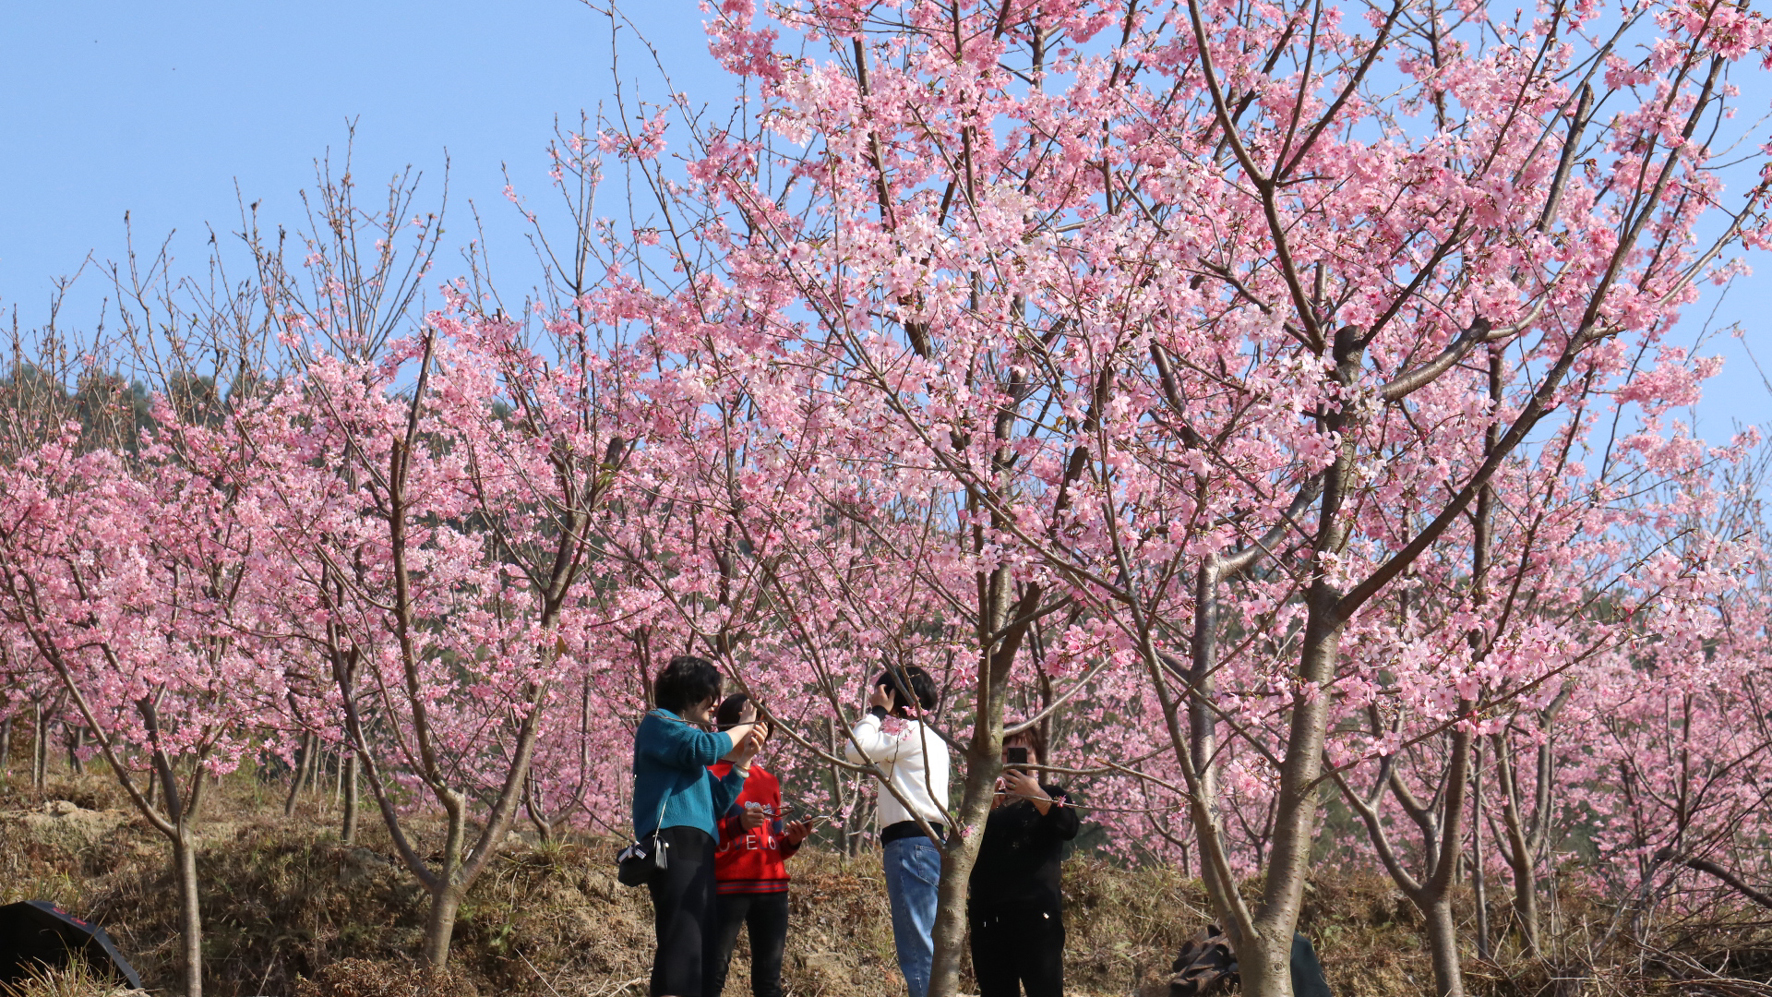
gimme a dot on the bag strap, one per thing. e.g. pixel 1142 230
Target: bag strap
pixel 664 798
pixel 659 821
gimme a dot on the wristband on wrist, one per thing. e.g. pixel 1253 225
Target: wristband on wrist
pixel 877 712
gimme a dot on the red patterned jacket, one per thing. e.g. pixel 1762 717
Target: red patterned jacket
pixel 751 861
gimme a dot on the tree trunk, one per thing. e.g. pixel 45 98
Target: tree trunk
pixel 1519 852
pixel 1479 884
pixel 40 749
pixel 298 773
pixel 347 834
pixel 1442 939
pixel 446 888
pixel 440 924
pixel 5 746
pixel 984 763
pixel 533 806
pixel 1268 970
pixel 949 933
pixel 184 858
pixel 316 758
pixel 1526 903
pixel 1265 965
pixel 1269 973
pixel 76 740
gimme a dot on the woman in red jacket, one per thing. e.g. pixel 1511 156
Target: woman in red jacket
pixel 750 878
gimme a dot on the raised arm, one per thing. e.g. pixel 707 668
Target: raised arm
pixel 1061 820
pixel 725 790
pixel 682 746
pixel 867 739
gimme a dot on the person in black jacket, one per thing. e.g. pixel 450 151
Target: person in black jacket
pixel 1015 909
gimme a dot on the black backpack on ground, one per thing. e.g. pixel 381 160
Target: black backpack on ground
pixel 1205 965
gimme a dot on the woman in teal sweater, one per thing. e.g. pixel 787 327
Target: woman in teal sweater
pixel 676 795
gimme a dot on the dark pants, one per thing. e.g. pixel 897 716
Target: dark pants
pixel 767 916
pixel 682 912
pixel 1015 947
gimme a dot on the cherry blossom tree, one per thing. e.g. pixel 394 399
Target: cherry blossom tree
pixel 1185 303
pixel 432 482
pixel 131 584
pixel 1553 592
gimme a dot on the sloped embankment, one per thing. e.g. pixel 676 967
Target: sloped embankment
pixel 285 903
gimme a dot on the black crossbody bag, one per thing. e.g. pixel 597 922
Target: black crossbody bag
pixel 644 858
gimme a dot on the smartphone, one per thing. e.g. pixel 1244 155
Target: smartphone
pixel 1016 756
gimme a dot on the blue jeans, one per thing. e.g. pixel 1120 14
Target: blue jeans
pixel 913 868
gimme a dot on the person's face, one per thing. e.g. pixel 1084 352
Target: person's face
pixel 703 711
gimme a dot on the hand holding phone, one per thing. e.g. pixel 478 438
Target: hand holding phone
pixel 883 697
pixel 1015 756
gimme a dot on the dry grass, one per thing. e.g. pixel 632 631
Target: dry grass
pixel 289 911
pixel 71 981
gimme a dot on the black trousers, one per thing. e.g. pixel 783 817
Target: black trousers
pixel 766 914
pixel 682 912
pixel 1016 947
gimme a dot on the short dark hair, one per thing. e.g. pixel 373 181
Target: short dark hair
pixel 1035 738
pixel 921 686
pixel 731 709
pixel 684 682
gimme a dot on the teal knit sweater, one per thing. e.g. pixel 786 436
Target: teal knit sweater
pixel 671 759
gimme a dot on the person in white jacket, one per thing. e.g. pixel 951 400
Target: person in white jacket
pixel 914 760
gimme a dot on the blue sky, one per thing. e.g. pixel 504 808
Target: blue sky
pixel 161 109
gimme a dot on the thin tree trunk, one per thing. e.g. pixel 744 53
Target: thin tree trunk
pixel 983 764
pixel 315 756
pixel 1202 697
pixel 40 749
pixel 298 774
pixel 532 805
pixel 1479 884
pixel 1442 837
pixel 184 857
pixel 440 926
pixel 447 890
pixel 348 833
pixel 76 740
pixel 1442 938
pixel 1266 970
pixel 1484 539
pixel 949 933
pixel 1519 852
pixel 5 746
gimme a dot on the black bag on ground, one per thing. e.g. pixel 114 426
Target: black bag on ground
pixel 1206 965
pixel 37 933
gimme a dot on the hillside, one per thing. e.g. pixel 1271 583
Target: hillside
pixel 288 910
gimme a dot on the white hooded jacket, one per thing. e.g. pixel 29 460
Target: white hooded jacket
pixel 914 759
